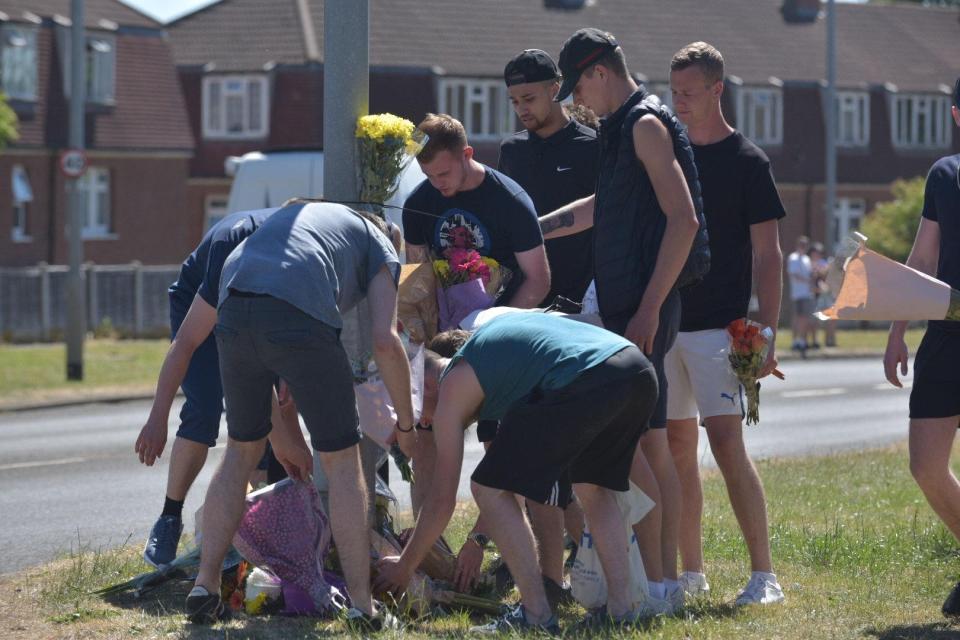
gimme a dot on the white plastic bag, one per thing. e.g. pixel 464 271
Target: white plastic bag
pixel 586 578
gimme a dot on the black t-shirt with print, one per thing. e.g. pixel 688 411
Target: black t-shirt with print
pixel 738 191
pixel 941 204
pixel 497 219
pixel 556 171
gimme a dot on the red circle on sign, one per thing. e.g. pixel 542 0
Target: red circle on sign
pixel 73 163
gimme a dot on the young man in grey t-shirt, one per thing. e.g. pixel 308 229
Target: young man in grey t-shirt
pixel 282 293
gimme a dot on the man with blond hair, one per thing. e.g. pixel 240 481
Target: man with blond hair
pixel 739 192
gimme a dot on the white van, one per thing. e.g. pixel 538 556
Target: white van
pixel 264 179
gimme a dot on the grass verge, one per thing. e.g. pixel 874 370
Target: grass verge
pixel 857 550
pixel 37 372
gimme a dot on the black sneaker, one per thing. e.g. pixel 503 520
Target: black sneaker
pixel 204 607
pixel 359 622
pixel 161 547
pixel 557 594
pixel 951 606
pixel 515 621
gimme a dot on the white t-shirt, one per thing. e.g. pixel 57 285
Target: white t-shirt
pixel 801 276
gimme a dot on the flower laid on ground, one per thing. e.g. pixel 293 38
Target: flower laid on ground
pixel 749 345
pixel 385 145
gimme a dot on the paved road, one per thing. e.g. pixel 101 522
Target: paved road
pixel 69 477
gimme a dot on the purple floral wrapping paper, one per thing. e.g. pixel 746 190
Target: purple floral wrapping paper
pixel 285 530
pixel 457 301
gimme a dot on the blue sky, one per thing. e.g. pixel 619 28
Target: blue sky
pixel 165 10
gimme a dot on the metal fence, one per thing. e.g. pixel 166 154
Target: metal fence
pixel 129 300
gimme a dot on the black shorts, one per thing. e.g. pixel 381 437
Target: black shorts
pixel 562 494
pixel 666 336
pixel 587 430
pixel 936 376
pixel 262 338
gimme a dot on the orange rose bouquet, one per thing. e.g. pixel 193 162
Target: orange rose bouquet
pixel 749 345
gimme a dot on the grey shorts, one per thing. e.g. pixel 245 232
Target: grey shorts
pixel 260 338
pixel 804 306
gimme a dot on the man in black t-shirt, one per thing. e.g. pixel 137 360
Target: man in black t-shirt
pixel 935 397
pixel 464 204
pixel 554 159
pixel 742 208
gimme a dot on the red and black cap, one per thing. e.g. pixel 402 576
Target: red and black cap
pixel 531 65
pixel 581 50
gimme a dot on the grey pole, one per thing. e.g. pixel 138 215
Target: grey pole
pixel 346 92
pixel 831 114
pixel 346 97
pixel 76 315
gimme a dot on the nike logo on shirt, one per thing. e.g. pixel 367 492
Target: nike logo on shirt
pixel 559 169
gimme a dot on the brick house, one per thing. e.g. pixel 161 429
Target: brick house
pixel 137 135
pixel 252 75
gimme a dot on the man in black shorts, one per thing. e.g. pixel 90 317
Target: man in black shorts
pixel 645 221
pixel 935 397
pixel 571 399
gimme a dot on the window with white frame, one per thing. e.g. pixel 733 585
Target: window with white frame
pixel 22 197
pixel 483 106
pixel 216 208
pixel 101 63
pixel 94 187
pixel 920 121
pixel 18 67
pixel 847 216
pixel 853 118
pixel 760 114
pixel 235 107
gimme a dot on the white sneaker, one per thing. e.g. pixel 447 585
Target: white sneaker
pixel 676 597
pixel 763 588
pixel 651 608
pixel 694 584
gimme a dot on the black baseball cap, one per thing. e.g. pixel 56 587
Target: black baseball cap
pixel 582 49
pixel 531 65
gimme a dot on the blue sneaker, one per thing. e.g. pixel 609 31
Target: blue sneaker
pixel 161 548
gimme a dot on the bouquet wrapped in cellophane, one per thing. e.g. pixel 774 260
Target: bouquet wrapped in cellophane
pixel 468 282
pixel 385 145
pixel 749 345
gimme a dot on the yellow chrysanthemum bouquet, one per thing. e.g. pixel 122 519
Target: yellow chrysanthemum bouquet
pixel 385 145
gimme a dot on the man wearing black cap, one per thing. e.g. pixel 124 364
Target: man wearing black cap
pixel 935 397
pixel 645 217
pixel 554 159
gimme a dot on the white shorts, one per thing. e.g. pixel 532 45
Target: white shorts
pixel 699 377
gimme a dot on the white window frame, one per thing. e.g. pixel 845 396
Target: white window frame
pixel 856 106
pixel 95 225
pixel 920 121
pixel 482 93
pixel 18 46
pixel 215 209
pixel 747 98
pixel 218 108
pixel 845 212
pixel 22 197
pixel 101 65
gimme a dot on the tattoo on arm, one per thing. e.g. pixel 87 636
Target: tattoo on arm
pixel 556 221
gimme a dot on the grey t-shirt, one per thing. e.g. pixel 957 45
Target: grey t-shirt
pixel 319 257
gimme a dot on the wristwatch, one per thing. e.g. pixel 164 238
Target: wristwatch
pixel 480 539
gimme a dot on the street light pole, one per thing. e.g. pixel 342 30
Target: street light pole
pixel 831 115
pixel 76 298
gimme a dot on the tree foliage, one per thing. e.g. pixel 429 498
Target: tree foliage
pixel 892 225
pixel 8 122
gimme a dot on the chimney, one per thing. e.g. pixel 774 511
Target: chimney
pixel 800 11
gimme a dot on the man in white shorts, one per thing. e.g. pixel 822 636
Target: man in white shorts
pixel 743 209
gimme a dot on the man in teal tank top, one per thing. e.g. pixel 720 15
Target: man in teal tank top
pixel 572 399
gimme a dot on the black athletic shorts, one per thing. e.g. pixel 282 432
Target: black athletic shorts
pixel 936 375
pixel 587 430
pixel 666 336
